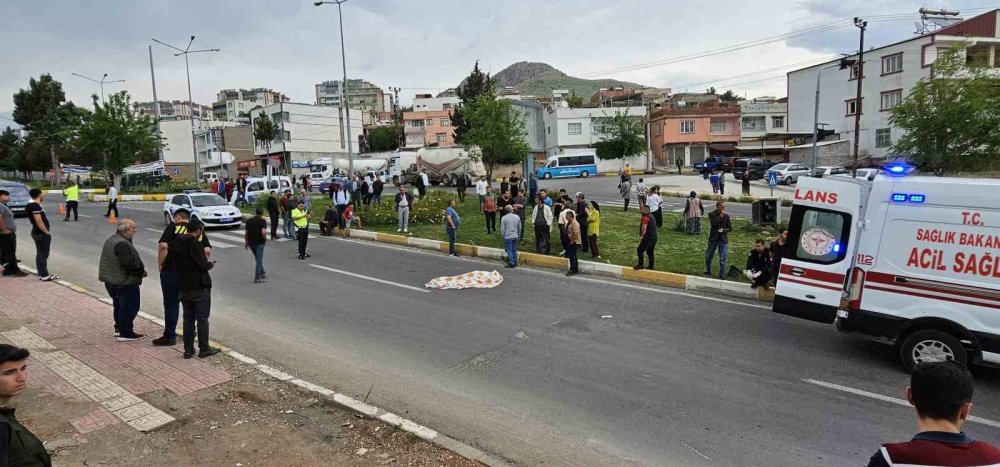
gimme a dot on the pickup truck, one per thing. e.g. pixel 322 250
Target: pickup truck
pixel 711 163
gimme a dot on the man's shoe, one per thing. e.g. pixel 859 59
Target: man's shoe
pixel 399 230
pixel 638 267
pixel 130 337
pixel 188 355
pixel 66 220
pixel 302 257
pixel 308 255
pixel 570 273
pixel 164 341
pixel 507 265
pixel 17 274
pixel 208 353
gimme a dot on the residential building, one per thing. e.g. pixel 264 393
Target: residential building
pixel 428 128
pixel 422 102
pixel 360 94
pixel 231 103
pixel 533 116
pixel 307 132
pixel 175 110
pixel 604 97
pixel 690 134
pixel 890 73
pixel 764 127
pixel 229 150
pixel 567 128
pixel 177 157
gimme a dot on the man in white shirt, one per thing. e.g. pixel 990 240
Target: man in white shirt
pixel 653 202
pixel 481 189
pixel 112 200
pixel 426 183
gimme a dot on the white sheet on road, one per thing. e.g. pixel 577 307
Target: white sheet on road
pixel 469 280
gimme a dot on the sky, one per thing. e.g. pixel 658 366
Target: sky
pixel 429 45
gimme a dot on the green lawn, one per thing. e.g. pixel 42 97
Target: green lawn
pixel 675 251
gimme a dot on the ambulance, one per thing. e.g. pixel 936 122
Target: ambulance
pixel 910 261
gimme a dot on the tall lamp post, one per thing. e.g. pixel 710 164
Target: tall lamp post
pixel 343 85
pixel 862 25
pixel 102 82
pixel 187 67
pixel 819 74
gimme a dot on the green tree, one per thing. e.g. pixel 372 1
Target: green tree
pixel 264 131
pixel 8 149
pixel 42 110
pixel 478 84
pixel 575 102
pixel 730 96
pixel 496 128
pixel 385 138
pixel 951 118
pixel 116 136
pixel 624 136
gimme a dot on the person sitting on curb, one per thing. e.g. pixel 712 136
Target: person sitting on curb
pixel 18 446
pixel 759 265
pixel 942 395
pixel 349 217
pixel 329 221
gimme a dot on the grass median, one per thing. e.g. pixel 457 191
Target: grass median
pixel 675 251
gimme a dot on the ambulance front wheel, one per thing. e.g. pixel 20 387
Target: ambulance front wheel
pixel 930 347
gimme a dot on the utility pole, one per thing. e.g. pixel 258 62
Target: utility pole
pixel 862 25
pixel 343 93
pixel 156 109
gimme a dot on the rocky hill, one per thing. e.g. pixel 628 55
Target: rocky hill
pixel 539 79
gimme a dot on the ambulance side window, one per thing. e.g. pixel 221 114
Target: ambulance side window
pixel 818 235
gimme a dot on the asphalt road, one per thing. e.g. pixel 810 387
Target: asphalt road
pixel 544 368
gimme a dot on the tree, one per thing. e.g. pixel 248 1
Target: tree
pixel 624 136
pixel 730 96
pixel 43 112
pixel 384 138
pixel 496 128
pixel 574 101
pixel 117 136
pixel 264 131
pixel 478 84
pixel 8 149
pixel 951 118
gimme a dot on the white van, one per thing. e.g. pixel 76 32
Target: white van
pixel 258 186
pixel 909 261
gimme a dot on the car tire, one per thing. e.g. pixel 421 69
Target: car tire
pixel 787 181
pixel 930 346
pixel 166 218
pixel 585 174
pixel 547 176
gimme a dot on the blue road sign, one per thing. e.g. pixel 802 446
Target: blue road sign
pixel 772 179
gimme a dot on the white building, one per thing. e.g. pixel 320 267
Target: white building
pixel 230 103
pixel 567 128
pixel 177 136
pixel 423 102
pixel 307 132
pixel 890 72
pixel 763 126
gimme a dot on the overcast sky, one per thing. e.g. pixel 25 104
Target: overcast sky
pixel 425 46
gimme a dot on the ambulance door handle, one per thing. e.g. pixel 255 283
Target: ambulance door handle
pixel 798 271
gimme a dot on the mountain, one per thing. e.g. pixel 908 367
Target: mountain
pixel 539 79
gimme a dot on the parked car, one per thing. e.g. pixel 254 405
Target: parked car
pixel 324 186
pixel 757 168
pixel 19 198
pixel 789 173
pixel 826 171
pixel 209 208
pixel 258 186
pixel 711 163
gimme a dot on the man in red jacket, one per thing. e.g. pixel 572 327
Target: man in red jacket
pixel 942 394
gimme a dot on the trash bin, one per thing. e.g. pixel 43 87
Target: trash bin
pixel 765 212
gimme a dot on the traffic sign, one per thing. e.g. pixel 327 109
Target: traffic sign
pixel 772 179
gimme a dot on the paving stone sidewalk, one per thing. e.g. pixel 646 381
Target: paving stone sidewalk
pixel 76 356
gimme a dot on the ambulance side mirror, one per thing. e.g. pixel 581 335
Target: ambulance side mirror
pixel 863 224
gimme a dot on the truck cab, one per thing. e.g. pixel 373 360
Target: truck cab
pixel 907 261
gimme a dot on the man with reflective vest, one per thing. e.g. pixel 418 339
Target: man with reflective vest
pixel 72 194
pixel 300 217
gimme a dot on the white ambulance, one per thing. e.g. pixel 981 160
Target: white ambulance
pixel 907 260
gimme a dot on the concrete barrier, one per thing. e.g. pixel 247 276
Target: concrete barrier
pixel 128 198
pixel 492 253
pixel 389 238
pixel 768 296
pixel 364 234
pixel 734 289
pixel 647 276
pixel 82 190
pixel 601 269
pixel 427 244
pixel 535 259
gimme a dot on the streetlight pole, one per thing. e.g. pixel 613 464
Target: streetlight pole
pixel 187 67
pixel 819 73
pixel 102 82
pixel 156 109
pixel 862 25
pixel 343 86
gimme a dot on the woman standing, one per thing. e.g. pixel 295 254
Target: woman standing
pixel 693 210
pixel 653 201
pixel 594 230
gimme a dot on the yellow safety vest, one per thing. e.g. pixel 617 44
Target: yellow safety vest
pixel 301 223
pixel 72 193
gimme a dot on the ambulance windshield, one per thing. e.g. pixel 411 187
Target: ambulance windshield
pixel 819 235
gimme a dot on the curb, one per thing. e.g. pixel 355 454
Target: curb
pixel 126 198
pixel 341 400
pixel 83 190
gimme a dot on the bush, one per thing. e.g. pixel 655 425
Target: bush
pixel 426 211
pixel 709 197
pixel 747 199
pixel 681 225
pixel 786 203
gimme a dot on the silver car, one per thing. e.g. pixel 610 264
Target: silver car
pixel 788 173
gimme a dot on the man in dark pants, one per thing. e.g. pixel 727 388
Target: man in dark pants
pixel 718 239
pixel 300 217
pixel 273 213
pixel 581 217
pixel 41 234
pixel 8 239
pixel 112 200
pixel 121 270
pixel 72 194
pixel 541 219
pixel 195 288
pixel 18 445
pixel 647 236
pixel 759 265
pixel 170 276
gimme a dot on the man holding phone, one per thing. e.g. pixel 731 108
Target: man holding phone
pixel 300 217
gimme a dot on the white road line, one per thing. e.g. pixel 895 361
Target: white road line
pixel 373 279
pixel 891 400
pixel 221 243
pixel 84 215
pixel 153 230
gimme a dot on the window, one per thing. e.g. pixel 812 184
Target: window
pixel 854 71
pixel 754 123
pixel 883 137
pixel 416 123
pixel 892 64
pixel 445 121
pixel 852 107
pixel 657 130
pixel 574 129
pixel 548 130
pixel 777 122
pixel 440 137
pixel 279 117
pixel 718 126
pixel 820 235
pixel 178 200
pixel 429 122
pixel 255 186
pixel 282 136
pixel 891 99
pixel 687 126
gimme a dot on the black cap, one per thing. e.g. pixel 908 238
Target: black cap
pixel 195 225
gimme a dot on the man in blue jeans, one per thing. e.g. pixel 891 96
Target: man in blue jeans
pixel 718 238
pixel 510 228
pixel 451 225
pixel 121 270
pixel 169 276
pixel 254 239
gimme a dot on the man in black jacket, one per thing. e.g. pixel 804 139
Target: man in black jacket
pixel 718 238
pixel 329 221
pixel 121 270
pixel 759 265
pixel 581 217
pixel 377 185
pixel 195 286
pixel 272 212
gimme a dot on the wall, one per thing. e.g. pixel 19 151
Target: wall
pixel 557 122
pixel 177 138
pixel 314 131
pixel 837 153
pixel 434 103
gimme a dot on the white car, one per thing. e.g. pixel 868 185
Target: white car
pixel 820 172
pixel 788 173
pixel 209 208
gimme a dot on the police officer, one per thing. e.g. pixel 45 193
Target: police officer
pixel 300 217
pixel 72 194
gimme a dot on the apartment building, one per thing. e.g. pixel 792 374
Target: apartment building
pixel 231 103
pixel 690 134
pixel 428 128
pixel 176 110
pixel 422 102
pixel 764 127
pixel 360 94
pixel 569 129
pixel 307 132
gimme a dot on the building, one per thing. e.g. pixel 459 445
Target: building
pixel 422 102
pixel 604 97
pixel 569 129
pixel 428 128
pixel 175 110
pixel 360 94
pixel 177 157
pixel 764 128
pixel 533 116
pixel 231 103
pixel 229 150
pixel 692 133
pixel 307 132
pixel 890 72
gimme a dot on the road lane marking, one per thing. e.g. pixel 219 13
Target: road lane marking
pixel 373 279
pixel 217 242
pixel 891 400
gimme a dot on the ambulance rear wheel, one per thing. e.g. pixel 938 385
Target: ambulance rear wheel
pixel 931 347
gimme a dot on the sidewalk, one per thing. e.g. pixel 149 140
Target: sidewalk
pixel 96 401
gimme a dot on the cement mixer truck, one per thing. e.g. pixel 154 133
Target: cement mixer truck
pixel 443 166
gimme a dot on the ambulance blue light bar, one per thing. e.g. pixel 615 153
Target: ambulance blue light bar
pixel 914 198
pixel 899 197
pixel 897 169
pixel 908 198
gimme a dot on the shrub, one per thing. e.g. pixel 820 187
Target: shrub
pixel 426 211
pixel 747 199
pixel 681 225
pixel 786 202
